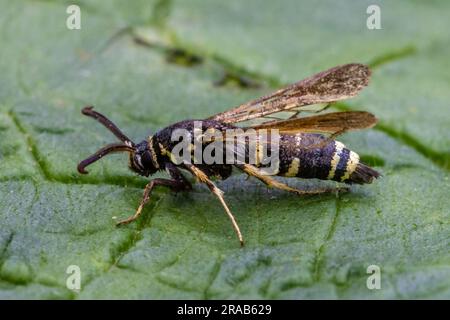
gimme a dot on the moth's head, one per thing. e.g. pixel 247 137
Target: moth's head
pixel 140 154
pixel 141 160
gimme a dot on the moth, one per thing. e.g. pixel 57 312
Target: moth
pixel 306 147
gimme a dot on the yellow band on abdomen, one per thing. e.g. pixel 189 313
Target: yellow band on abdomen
pixel 293 168
pixel 352 163
pixel 339 146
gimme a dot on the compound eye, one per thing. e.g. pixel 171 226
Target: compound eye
pixel 138 161
pixel 146 159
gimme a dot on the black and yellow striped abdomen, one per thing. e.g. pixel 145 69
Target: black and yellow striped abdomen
pixel 312 156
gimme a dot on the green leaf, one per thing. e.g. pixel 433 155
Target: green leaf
pixel 148 64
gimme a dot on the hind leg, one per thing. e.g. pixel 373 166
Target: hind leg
pixel 271 182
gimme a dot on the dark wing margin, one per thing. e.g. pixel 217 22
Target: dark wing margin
pixel 333 123
pixel 335 84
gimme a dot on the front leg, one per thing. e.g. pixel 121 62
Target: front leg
pixel 177 183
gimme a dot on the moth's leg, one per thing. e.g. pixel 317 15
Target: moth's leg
pixel 177 183
pixel 202 177
pixel 271 182
pixel 172 184
pixel 176 175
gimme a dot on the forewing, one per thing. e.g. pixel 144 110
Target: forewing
pixel 332 123
pixel 335 84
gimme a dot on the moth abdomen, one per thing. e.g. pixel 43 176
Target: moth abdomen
pixel 363 174
pixel 346 167
pixel 311 156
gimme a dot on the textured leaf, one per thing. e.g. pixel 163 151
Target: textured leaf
pixel 183 246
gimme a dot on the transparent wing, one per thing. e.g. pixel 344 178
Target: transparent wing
pixel 335 84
